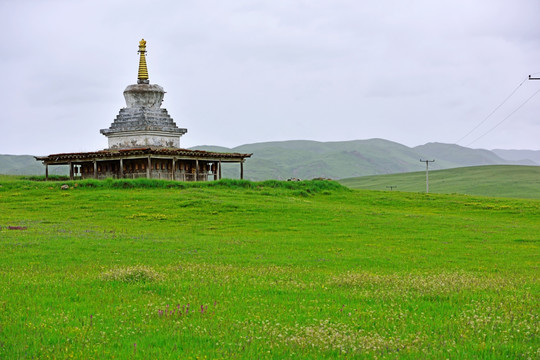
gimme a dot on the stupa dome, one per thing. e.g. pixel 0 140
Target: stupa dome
pixel 144 95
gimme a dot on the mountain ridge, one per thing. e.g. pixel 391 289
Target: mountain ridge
pixel 531 155
pixel 342 159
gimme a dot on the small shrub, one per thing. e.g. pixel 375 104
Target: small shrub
pixel 301 193
pixel 132 274
pixel 42 178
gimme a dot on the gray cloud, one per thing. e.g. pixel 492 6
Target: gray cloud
pixel 247 71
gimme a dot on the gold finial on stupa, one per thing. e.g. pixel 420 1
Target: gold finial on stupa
pixel 143 71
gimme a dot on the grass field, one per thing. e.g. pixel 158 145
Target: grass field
pixel 232 269
pixel 494 180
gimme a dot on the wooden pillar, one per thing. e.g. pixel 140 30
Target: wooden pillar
pixel 242 169
pixel 196 169
pixel 70 170
pixel 219 169
pixel 173 168
pixel 148 168
pixel 46 172
pixel 95 169
pixel 121 172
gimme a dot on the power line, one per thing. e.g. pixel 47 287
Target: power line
pixel 506 118
pixel 494 110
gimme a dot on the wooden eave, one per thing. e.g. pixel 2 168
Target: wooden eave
pixel 178 154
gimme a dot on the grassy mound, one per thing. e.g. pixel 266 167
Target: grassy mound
pixel 302 188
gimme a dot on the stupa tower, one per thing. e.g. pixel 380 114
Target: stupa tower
pixel 143 122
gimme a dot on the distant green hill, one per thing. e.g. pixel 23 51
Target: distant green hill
pixel 448 155
pixel 337 160
pixel 27 165
pixel 311 159
pixel 522 155
pixel 495 180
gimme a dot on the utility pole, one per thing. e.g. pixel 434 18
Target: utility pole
pixel 427 173
pixel 391 187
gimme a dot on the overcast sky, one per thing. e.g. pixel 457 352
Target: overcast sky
pixel 240 72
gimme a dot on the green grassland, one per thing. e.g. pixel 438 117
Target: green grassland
pixel 148 269
pixel 494 180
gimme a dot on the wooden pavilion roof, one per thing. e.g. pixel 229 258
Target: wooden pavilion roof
pixel 115 154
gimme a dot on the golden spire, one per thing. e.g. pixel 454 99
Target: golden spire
pixel 143 71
